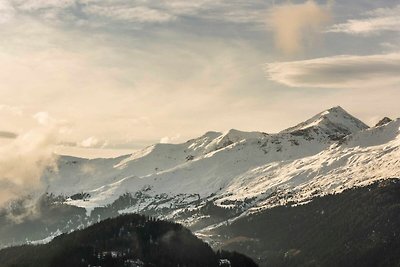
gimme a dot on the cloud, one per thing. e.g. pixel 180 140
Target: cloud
pixel 167 139
pixel 167 11
pixel 23 161
pixel 338 71
pixel 33 5
pixel 89 142
pixel 293 23
pixel 25 156
pixel 240 12
pixel 43 118
pixel 129 13
pixel 92 142
pixel 8 135
pixel 375 22
pixel 7 11
pixel 189 7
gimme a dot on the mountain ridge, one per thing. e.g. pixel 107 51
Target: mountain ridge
pixel 232 174
pixel 215 160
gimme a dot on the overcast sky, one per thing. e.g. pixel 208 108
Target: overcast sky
pixel 129 73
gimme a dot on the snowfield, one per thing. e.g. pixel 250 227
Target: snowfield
pixel 326 154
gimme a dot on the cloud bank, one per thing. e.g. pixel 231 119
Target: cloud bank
pixel 293 23
pixel 23 160
pixel 375 22
pixel 338 71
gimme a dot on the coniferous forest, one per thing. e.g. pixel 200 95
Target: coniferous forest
pixel 128 240
pixel 359 227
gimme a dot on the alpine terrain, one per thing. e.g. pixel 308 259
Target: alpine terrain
pixel 223 185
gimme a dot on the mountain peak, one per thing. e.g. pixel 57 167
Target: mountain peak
pixel 337 109
pixel 335 122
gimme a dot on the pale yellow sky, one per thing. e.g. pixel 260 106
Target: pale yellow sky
pixel 109 75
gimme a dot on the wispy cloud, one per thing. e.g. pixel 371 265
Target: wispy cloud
pixel 8 135
pixel 295 24
pixel 338 71
pixel 167 139
pixel 23 161
pixel 7 11
pixel 89 12
pixel 42 4
pixel 43 118
pixel 128 13
pixel 375 22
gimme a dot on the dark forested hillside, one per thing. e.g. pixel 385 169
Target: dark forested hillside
pixel 359 227
pixel 129 240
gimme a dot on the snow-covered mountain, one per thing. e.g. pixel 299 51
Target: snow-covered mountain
pixel 252 171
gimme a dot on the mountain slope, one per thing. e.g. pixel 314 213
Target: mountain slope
pixel 225 176
pixel 357 160
pixel 203 166
pixel 252 170
pixel 359 227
